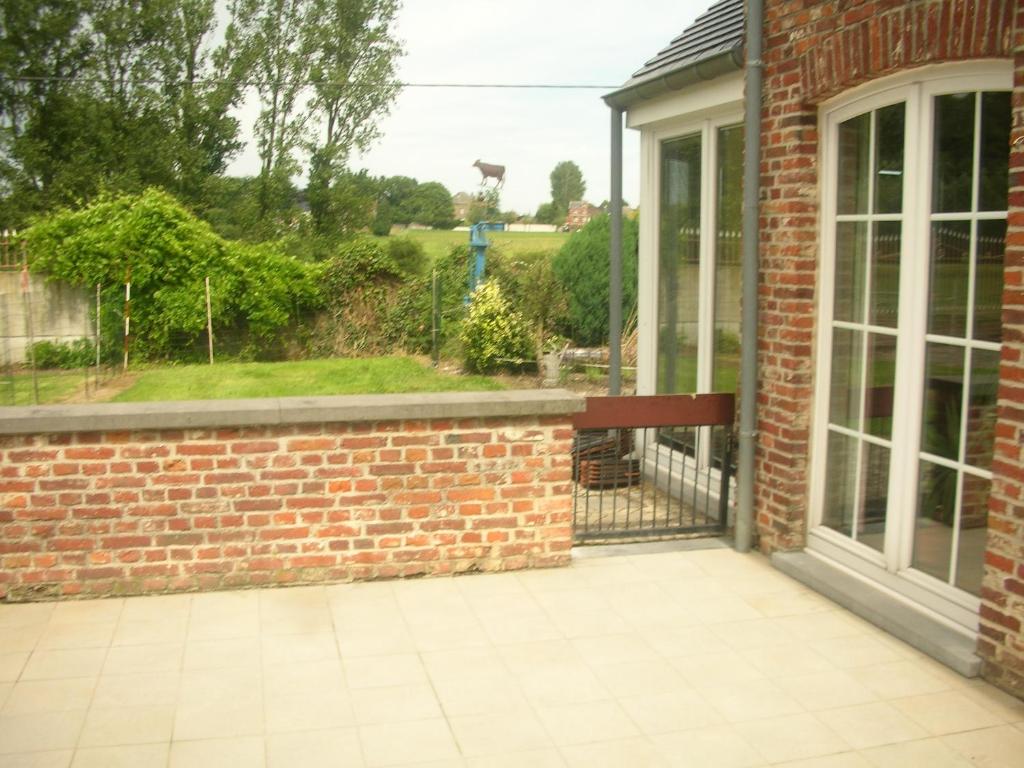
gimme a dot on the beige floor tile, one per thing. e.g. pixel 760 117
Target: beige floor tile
pixel 640 677
pixel 5 692
pixel 385 671
pixel 826 690
pixel 614 649
pixel 479 735
pixel 212 719
pixel 754 700
pixel 305 711
pixel 40 732
pixel 580 623
pixel 678 710
pixel 157 608
pixel 715 747
pixel 392 705
pixel 534 758
pixel 127 725
pixel 25 614
pixel 155 689
pixel 721 610
pixel 856 651
pixel 198 686
pixel 676 642
pixel 927 753
pixel 825 626
pixel 560 601
pixel 758 633
pixel 138 659
pixel 712 670
pixel 219 753
pixel 331 748
pixel 218 654
pixel 298 649
pixel 87 611
pixel 11 665
pixel 436 636
pixel 789 603
pixel 1008 707
pixel 151 631
pixel 518 627
pixel 32 696
pixel 313 679
pixel 782 661
pixel 636 752
pixel 19 638
pixel 226 627
pixel 56 759
pixel 299 622
pixel 587 721
pixel 872 725
pixel 135 756
pixel 947 712
pixel 794 737
pixel 375 640
pixel 51 665
pixel 489 586
pixel 900 679
pixel 68 636
pixel 479 694
pixel 844 760
pixel 564 684
pixel 405 743
pixel 1001 747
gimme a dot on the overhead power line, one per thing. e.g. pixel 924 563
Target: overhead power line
pixel 255 83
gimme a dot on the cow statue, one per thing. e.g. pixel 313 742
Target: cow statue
pixel 488 171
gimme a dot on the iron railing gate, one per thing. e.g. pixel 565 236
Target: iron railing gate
pixel 652 466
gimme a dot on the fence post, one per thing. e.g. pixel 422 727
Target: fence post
pixel 26 293
pixel 99 336
pixel 8 362
pixel 435 330
pixel 127 314
pixel 209 319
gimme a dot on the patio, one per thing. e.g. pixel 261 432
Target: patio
pixel 701 657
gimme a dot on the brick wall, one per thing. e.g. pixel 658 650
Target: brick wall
pixel 1001 641
pixel 105 512
pixel 815 49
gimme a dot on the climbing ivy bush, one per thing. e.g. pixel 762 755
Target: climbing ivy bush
pixel 494 335
pixel 167 253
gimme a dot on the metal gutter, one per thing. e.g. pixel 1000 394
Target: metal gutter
pixel 681 76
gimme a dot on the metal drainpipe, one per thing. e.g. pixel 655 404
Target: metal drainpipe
pixel 615 266
pixel 751 241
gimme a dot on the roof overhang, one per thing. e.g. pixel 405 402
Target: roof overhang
pixel 683 76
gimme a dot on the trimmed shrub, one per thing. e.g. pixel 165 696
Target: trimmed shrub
pixel 494 335
pixel 79 353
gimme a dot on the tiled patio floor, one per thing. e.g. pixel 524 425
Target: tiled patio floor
pixel 699 658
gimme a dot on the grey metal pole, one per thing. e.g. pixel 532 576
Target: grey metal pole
pixel 751 243
pixel 615 267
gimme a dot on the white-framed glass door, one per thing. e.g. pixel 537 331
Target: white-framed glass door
pixel 913 230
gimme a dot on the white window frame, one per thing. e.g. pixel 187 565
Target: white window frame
pixel 892 567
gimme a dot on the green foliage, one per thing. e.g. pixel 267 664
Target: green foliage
pixel 494 334
pixel 486 207
pixel 546 214
pixel 566 185
pixel 531 286
pixel 432 206
pixel 167 253
pixel 581 266
pixel 79 353
pixel 408 255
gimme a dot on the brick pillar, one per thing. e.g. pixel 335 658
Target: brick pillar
pixel 1001 638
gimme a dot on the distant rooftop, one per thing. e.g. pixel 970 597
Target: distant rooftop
pixel 715 34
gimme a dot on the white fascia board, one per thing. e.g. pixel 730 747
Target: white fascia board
pixel 702 99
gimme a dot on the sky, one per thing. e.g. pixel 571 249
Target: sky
pixel 436 134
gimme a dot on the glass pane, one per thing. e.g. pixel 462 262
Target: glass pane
pixel 994 181
pixel 944 382
pixel 981 414
pixel 728 266
pixel 886 241
pixel 881 377
pixel 933 527
pixel 988 281
pixel 841 470
pixel 889 159
pixel 954 152
pixel 951 252
pixel 851 256
pixel 679 265
pixel 874 496
pixel 854 159
pixel 970 550
pixel 844 400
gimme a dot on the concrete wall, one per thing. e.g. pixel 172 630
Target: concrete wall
pixel 169 497
pixel 59 312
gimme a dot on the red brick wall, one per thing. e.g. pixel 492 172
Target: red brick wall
pixel 147 512
pixel 1001 644
pixel 815 49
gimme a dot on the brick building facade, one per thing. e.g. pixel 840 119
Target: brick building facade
pixel 891 317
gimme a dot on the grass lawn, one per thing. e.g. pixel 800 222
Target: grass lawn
pixel 221 381
pixel 54 386
pixel 438 242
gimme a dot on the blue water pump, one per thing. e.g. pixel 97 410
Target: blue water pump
pixel 478 244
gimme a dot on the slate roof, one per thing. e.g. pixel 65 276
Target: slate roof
pixel 714 34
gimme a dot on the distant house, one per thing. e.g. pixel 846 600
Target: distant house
pixel 890 411
pixel 461 202
pixel 580 212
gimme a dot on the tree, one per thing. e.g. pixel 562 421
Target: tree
pixel 486 207
pixel 432 206
pixel 546 214
pixel 567 185
pixel 398 193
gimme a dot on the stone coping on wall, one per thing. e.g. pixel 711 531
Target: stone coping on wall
pixel 198 414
